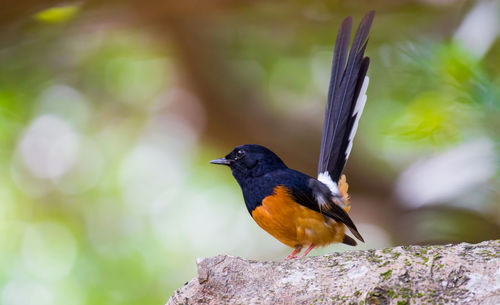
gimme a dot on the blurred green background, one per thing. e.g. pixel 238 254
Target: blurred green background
pixel 111 110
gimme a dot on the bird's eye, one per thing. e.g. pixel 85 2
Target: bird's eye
pixel 239 154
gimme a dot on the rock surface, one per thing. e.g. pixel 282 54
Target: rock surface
pixel 449 274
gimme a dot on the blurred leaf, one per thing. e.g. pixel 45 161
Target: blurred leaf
pixel 455 64
pixel 58 14
pixel 431 117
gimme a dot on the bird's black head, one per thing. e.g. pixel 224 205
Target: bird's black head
pixel 250 160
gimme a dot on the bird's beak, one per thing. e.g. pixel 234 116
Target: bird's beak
pixel 222 161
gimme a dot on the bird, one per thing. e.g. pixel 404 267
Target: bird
pixel 297 209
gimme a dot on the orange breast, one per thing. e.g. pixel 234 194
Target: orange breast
pixel 294 224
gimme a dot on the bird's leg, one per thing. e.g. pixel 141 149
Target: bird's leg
pixel 294 253
pixel 308 250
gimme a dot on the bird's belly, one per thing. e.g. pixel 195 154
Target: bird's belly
pixel 294 224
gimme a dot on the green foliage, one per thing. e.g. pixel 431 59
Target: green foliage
pixel 58 13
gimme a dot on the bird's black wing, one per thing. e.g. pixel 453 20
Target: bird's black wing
pixel 316 196
pixel 346 96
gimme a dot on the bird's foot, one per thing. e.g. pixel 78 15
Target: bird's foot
pixel 308 250
pixel 294 253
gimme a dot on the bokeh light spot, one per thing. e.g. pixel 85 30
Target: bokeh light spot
pixel 26 293
pixel 49 250
pixel 134 80
pixel 147 174
pixel 64 102
pixel 86 172
pixel 49 147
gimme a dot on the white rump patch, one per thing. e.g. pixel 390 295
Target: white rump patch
pixel 325 178
pixel 358 110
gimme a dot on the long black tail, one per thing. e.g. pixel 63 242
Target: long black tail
pixel 346 97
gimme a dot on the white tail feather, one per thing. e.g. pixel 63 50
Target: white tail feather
pixel 358 110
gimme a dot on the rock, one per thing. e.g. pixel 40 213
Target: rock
pixel 449 274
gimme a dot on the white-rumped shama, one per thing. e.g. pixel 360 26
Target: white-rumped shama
pixel 295 208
